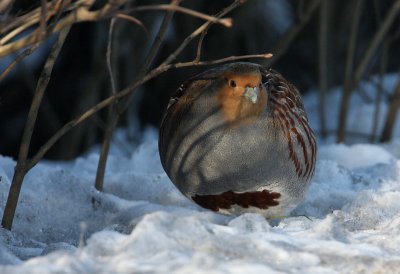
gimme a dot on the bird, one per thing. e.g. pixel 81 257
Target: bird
pixel 236 139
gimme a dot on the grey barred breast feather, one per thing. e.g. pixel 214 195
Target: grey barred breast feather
pixel 236 139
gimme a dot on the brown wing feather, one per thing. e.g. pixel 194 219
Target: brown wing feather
pixel 280 88
pixel 286 104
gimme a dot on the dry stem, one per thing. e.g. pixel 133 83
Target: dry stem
pixel 352 81
pixel 80 14
pixel 283 44
pixel 116 110
pixel 23 164
pixel 323 63
pixel 391 115
pixel 227 22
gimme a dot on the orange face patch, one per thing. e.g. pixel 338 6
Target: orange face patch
pixel 235 107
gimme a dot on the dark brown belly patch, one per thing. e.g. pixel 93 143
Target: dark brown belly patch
pixel 260 199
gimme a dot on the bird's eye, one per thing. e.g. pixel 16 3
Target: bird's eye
pixel 232 83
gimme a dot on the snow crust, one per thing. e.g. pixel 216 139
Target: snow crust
pixel 142 224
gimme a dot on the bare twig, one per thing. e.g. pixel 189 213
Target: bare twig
pixel 41 31
pixel 23 22
pixel 391 115
pixel 34 15
pixel 227 22
pixel 81 14
pixel 132 19
pixel 108 55
pixel 200 45
pixel 379 91
pixel 348 74
pixel 323 63
pixel 55 9
pixel 200 30
pixel 377 40
pixel 363 65
pixel 218 61
pixel 22 166
pixel 284 43
pixel 32 21
pixel 17 60
pixel 157 41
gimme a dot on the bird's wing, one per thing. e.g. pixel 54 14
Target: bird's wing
pixel 180 103
pixel 283 92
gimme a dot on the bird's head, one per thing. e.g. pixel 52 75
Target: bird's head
pixel 244 85
pixel 242 93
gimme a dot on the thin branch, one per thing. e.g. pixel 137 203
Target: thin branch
pixel 284 43
pixel 132 19
pixel 348 72
pixel 227 22
pixel 32 21
pixel 41 32
pixel 380 90
pixel 108 56
pixel 391 115
pixel 377 40
pixel 323 63
pixel 35 14
pixel 158 39
pixel 363 65
pixel 219 61
pixel 81 14
pixel 17 60
pixel 23 22
pixel 200 45
pixel 22 163
pixel 200 30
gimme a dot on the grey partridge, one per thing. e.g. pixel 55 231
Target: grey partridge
pixel 236 139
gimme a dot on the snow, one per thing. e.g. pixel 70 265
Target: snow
pixel 349 221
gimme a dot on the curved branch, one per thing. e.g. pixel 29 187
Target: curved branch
pixel 227 22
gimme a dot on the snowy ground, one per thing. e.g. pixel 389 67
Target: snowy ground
pixel 142 224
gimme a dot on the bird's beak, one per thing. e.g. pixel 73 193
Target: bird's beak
pixel 251 94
